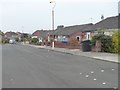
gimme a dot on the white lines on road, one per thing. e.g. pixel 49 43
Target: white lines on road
pixel 102 70
pixel 87 76
pixel 91 72
pixel 104 83
pixel 94 79
pixel 80 73
pixel 92 76
pixel 113 69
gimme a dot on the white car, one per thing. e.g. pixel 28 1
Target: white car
pixel 12 41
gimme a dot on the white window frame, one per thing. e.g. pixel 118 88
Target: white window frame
pixel 88 36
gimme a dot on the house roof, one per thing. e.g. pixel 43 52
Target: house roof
pixel 73 29
pixel 42 33
pixel 10 34
pixel 108 23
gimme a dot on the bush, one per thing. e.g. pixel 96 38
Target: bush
pixel 34 40
pixel 4 41
pixel 73 42
pixel 106 42
pixel 115 41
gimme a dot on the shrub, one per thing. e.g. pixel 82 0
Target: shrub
pixel 115 41
pixel 73 42
pixel 106 42
pixel 34 40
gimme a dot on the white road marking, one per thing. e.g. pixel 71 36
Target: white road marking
pixel 102 70
pixel 87 76
pixel 92 72
pixel 104 83
pixel 80 73
pixel 94 79
pixel 113 69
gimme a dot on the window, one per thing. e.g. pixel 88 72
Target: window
pixel 78 38
pixel 88 36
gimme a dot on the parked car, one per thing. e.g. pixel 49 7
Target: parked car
pixel 12 41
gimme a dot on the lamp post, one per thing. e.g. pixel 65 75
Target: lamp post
pixel 53 2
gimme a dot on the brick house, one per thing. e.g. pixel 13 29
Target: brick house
pixel 76 33
pixel 13 35
pixel 10 35
pixel 42 35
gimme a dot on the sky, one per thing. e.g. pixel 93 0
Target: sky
pixel 31 15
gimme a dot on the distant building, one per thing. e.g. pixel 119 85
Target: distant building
pixel 10 35
pixel 42 35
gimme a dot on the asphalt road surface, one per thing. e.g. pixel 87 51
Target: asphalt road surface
pixel 29 67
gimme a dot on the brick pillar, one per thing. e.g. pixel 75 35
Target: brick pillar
pixel 98 46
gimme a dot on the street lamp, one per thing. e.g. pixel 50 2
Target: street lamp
pixel 54 4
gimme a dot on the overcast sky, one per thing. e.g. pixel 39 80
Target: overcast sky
pixel 30 15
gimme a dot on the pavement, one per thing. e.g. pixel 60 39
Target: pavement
pixel 24 66
pixel 96 55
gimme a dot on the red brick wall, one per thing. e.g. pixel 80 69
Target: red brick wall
pixel 81 34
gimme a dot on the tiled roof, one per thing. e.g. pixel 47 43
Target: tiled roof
pixel 42 33
pixel 9 34
pixel 108 23
pixel 72 29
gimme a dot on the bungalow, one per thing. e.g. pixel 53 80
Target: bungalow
pixel 107 26
pixel 10 35
pixel 42 35
pixel 77 32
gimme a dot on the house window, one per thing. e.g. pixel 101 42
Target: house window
pixel 78 38
pixel 64 36
pixel 88 36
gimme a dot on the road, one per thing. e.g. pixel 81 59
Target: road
pixel 28 67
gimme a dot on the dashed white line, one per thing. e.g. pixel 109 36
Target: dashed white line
pixel 104 83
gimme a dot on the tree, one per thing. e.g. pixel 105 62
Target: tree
pixel 1 33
